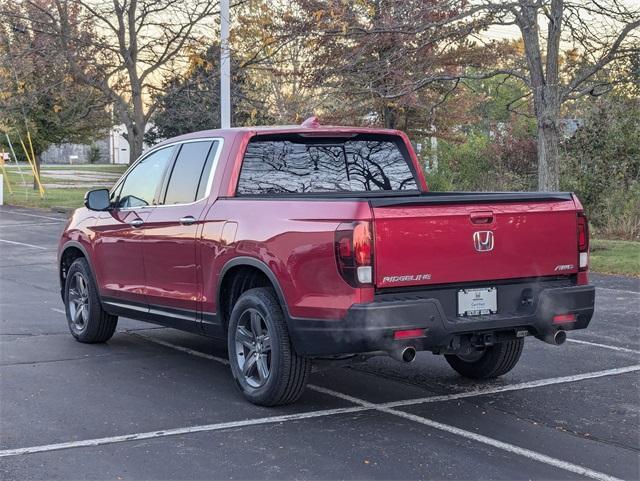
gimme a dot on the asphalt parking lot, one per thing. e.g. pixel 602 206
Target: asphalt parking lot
pixel 155 403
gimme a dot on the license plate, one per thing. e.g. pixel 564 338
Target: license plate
pixel 477 302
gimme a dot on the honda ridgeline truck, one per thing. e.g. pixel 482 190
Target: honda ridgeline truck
pixel 308 243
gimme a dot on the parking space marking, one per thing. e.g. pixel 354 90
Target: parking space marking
pixel 618 290
pixel 60 311
pixel 516 387
pixel 446 397
pixel 178 431
pixel 605 346
pixel 24 244
pixel 29 224
pixel 193 352
pixel 361 405
pixel 32 215
pixel 508 447
pixel 511 448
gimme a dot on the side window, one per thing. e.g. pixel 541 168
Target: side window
pixel 140 186
pixel 188 173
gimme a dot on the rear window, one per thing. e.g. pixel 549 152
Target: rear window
pixel 316 165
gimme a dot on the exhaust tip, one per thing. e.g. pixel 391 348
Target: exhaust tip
pixel 408 354
pixel 403 354
pixel 560 337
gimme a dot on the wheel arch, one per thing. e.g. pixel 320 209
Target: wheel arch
pixel 71 251
pixel 239 267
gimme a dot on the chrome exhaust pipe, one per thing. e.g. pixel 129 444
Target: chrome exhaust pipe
pixel 404 354
pixel 557 338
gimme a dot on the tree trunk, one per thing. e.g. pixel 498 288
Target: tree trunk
pixel 389 117
pixel 544 85
pixel 136 143
pixel 548 174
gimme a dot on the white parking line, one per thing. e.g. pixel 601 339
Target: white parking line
pixel 508 447
pixel 605 346
pixel 32 215
pixel 177 431
pixel 516 387
pixel 362 405
pixel 23 244
pixel 447 397
pixel 193 352
pixel 29 224
pixel 511 448
pixel 618 290
pixel 60 311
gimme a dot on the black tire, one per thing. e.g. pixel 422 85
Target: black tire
pixel 89 323
pixel 494 361
pixel 287 372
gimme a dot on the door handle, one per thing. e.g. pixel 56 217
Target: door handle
pixel 188 220
pixel 136 222
pixel 484 217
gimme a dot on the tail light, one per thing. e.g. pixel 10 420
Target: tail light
pixel 354 253
pixel 564 318
pixel 583 242
pixel 409 334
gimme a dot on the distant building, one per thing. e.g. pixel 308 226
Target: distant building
pixel 112 149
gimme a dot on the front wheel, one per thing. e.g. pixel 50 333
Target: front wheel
pixel 492 361
pixel 88 322
pixel 264 364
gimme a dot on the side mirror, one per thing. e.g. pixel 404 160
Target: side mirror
pixel 97 199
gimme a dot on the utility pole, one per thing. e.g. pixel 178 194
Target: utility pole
pixel 225 66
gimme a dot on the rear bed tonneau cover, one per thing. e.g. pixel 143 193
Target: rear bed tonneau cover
pixel 469 198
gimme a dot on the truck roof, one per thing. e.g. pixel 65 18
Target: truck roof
pixel 314 129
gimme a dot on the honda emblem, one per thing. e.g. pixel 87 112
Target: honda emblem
pixel 483 240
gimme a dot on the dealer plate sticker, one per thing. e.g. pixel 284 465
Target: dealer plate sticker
pixel 477 302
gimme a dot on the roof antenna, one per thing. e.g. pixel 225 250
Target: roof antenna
pixel 311 123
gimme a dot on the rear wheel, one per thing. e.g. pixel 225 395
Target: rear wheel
pixel 264 364
pixel 492 361
pixel 88 322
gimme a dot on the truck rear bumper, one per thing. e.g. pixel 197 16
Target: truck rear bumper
pixel 370 327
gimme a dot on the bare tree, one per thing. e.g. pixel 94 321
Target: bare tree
pixel 124 47
pixel 603 33
pixel 373 56
pixel 38 94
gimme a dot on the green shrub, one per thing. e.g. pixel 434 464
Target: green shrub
pixel 483 163
pixel 601 163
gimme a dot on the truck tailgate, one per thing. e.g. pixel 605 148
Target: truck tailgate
pixel 473 237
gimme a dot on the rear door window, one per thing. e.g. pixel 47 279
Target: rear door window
pixel 190 174
pixel 310 165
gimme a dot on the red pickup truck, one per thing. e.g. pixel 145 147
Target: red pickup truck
pixel 301 244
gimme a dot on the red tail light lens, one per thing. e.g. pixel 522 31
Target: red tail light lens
pixel 563 318
pixel 362 243
pixel 583 242
pixel 583 232
pixel 409 334
pixel 354 253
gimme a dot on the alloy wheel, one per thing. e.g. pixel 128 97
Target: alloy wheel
pixel 78 302
pixel 253 348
